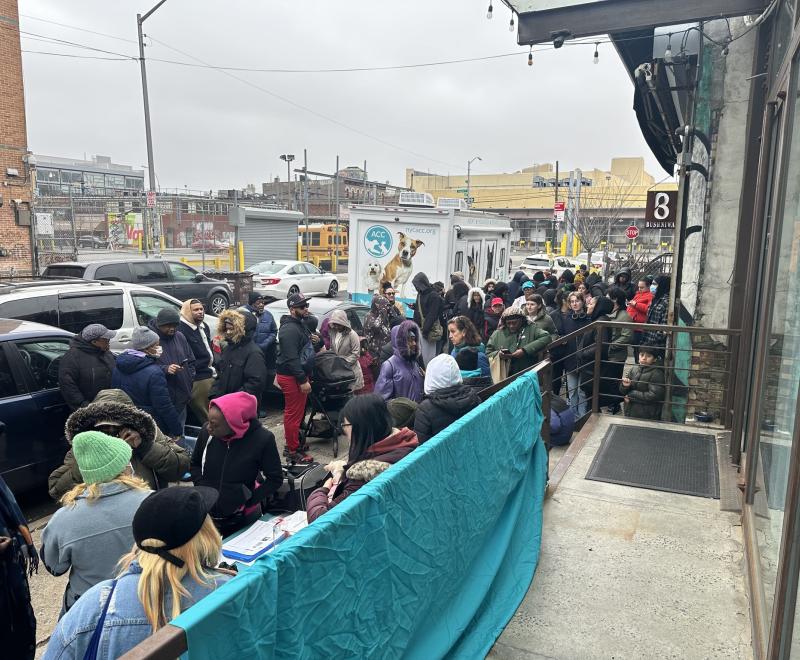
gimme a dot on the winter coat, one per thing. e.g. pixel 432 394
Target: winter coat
pixel 620 337
pixel 377 326
pixel 455 300
pixel 241 366
pixel 543 321
pixel 378 458
pixel 586 347
pixel 83 371
pixel 562 421
pixel 126 624
pixel 441 408
pixel 429 305
pixel 88 538
pixel 199 339
pixel 656 315
pixel 295 345
pixel 347 345
pixel 401 375
pixel 483 361
pixel 477 382
pixel 138 375
pixel 646 392
pixel 176 351
pixel 567 323
pixel 474 312
pixel 232 467
pixel 265 336
pixel 628 287
pixel 515 286
pixel 158 460
pixel 491 322
pixel 529 338
pixel 638 306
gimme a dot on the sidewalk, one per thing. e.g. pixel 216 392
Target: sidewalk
pixel 631 573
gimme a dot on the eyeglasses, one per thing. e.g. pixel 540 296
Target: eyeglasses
pixel 345 424
pixel 390 294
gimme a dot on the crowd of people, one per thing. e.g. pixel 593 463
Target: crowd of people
pixel 124 528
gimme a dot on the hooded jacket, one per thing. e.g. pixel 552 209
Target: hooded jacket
pixel 241 366
pixel 401 375
pixel 529 338
pixel 429 305
pixel 83 371
pixel 515 286
pixel 233 465
pixel 620 337
pixel 199 339
pixel 294 338
pixel 176 351
pixel 639 306
pixel 157 460
pixel 377 326
pixel 543 321
pixel 483 361
pixel 379 457
pixel 455 298
pixel 628 287
pixel 646 392
pixel 347 345
pixel 265 335
pixel 138 375
pixel 473 311
pixel 447 398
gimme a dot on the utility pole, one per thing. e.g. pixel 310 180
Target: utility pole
pixel 305 201
pixel 337 241
pixel 469 178
pixel 288 158
pixel 555 224
pixel 366 178
pixel 148 134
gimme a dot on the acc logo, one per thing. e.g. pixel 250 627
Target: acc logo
pixel 378 241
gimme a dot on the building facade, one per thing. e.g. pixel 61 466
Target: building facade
pixel 57 176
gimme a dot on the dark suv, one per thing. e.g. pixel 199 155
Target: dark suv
pixel 32 411
pixel 172 277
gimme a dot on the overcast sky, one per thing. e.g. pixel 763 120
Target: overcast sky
pixel 211 131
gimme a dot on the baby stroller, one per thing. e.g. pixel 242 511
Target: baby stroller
pixel 331 387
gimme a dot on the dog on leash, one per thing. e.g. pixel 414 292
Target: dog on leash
pixel 398 271
pixel 372 276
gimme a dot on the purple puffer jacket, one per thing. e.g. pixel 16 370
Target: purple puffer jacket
pixel 400 374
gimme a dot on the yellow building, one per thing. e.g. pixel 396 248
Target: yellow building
pixel 528 197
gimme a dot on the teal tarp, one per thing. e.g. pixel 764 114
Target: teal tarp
pixel 430 559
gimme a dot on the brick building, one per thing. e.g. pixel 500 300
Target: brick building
pixel 15 174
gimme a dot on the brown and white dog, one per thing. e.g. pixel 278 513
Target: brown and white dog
pixel 399 269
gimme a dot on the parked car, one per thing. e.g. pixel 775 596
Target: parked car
pixel 285 278
pixel 32 411
pixel 322 308
pixel 537 262
pixel 92 241
pixel 171 277
pixel 210 244
pixel 72 304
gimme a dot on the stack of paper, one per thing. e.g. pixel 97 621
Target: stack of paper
pixel 260 537
pixel 294 523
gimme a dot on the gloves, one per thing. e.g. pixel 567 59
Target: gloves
pixel 31 557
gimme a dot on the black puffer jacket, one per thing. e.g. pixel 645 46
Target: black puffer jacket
pixel 628 286
pixel 441 408
pixel 241 367
pixel 429 305
pixel 83 371
pixel 294 339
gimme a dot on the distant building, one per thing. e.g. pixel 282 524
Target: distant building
pixel 57 176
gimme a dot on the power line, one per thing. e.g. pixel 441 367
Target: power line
pixel 80 29
pixel 78 57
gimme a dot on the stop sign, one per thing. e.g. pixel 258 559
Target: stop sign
pixel 632 232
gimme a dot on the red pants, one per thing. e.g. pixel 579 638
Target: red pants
pixel 293 410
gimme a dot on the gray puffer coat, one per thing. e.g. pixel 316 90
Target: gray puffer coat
pixel 645 393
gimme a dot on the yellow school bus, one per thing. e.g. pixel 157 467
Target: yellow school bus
pixel 326 247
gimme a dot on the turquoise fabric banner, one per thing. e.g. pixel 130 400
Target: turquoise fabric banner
pixel 428 560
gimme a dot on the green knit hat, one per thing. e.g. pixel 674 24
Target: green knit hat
pixel 100 457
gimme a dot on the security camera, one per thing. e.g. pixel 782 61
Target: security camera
pixel 559 37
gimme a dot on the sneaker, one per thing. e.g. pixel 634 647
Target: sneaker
pixel 300 457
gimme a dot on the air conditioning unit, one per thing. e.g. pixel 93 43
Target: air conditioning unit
pixel 417 199
pixel 452 203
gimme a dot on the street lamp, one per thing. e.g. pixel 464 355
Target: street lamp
pixel 148 135
pixel 469 168
pixel 288 158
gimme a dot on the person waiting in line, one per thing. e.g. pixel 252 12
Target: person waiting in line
pixel 447 398
pixel 488 291
pixel 514 287
pixel 517 341
pixel 623 281
pixel 86 367
pixel 241 366
pixel 463 334
pixel 643 387
pixel 527 289
pixel 377 326
pixel 155 458
pixel 137 374
pixel 621 338
pixel 638 306
pixel 427 315
pixel 366 362
pixel 402 412
pixel 375 445
pixel 92 529
pixel 265 337
pixel 467 360
pixel 401 374
pixel 658 313
pixel 397 311
pixel 18 561
pixel 296 353
pixel 238 456
pixel 538 316
pixel 171 567
pixel 571 318
pixel 345 343
pixel 562 422
pixel 492 316
pixel 176 359
pixel 472 308
pixel 587 348
pixel 549 298
pixel 198 335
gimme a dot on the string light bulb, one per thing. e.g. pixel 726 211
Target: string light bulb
pixel 668 52
pixel 511 24
pixel 596 58
pixel 530 57
pixel 489 12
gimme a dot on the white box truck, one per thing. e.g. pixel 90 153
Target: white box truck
pixel 394 243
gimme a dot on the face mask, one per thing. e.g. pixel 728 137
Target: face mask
pixel 158 352
pixel 653 288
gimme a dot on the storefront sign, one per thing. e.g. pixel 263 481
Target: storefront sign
pixel 661 209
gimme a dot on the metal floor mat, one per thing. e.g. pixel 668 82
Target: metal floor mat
pixel 658 459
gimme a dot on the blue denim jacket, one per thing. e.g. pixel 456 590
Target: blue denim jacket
pixel 125 625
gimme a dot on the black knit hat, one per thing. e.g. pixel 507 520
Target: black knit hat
pixel 253 297
pixel 172 515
